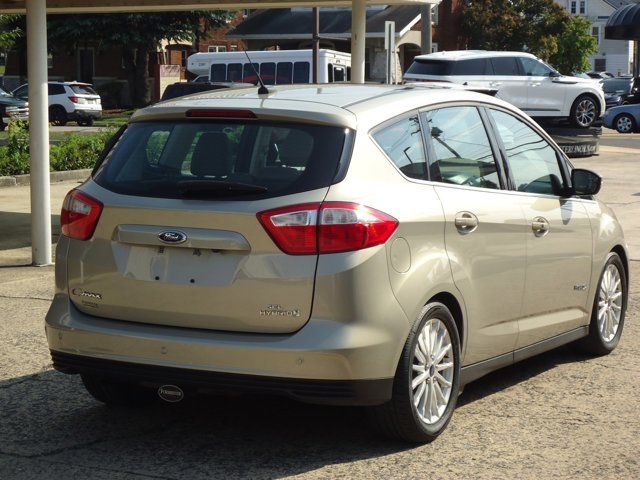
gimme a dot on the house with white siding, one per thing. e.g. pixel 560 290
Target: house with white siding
pixel 615 56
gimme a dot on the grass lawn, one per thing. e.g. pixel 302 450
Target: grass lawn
pixel 113 118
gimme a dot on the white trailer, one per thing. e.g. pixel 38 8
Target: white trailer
pixel 274 66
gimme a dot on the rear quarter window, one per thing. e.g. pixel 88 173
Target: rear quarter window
pixel 82 90
pixel 431 67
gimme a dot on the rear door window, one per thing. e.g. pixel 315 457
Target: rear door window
pixel 461 153
pixel 505 66
pixel 230 159
pixel 475 67
pixel 403 144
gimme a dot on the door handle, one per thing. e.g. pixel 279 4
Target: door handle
pixel 540 226
pixel 466 222
pixel 495 84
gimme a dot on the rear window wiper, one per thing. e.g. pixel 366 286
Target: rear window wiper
pixel 217 187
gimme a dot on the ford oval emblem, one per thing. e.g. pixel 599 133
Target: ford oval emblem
pixel 173 237
pixel 170 393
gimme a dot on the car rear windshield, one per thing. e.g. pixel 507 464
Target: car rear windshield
pixel 230 159
pixel 82 89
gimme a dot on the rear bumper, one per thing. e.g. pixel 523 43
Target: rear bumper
pixel 85 114
pixel 332 392
pixel 324 362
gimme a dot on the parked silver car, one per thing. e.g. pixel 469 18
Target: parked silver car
pixel 362 245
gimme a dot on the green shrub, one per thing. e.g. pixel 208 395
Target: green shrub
pixel 75 151
pixel 14 157
pixel 78 151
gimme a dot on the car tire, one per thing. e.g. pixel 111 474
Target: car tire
pixel 86 123
pixel 609 308
pixel 584 111
pixel 416 418
pixel 116 393
pixel 58 116
pixel 624 123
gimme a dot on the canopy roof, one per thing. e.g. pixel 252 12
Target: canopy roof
pixel 624 24
pixel 113 6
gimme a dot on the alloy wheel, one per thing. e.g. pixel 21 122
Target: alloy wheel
pixel 609 303
pixel 432 371
pixel 585 112
pixel 624 124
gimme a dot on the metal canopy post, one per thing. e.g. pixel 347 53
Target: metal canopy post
pixel 426 17
pixel 358 30
pixel 39 132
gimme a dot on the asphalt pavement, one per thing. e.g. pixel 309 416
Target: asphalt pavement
pixel 559 415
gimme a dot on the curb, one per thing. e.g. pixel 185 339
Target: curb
pixel 20 180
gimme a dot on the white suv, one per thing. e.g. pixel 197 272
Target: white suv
pixel 69 101
pixel 520 78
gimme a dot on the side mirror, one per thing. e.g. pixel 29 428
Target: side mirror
pixel 554 74
pixel 585 182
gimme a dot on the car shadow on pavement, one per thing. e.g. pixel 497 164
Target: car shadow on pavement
pixel 521 372
pixel 49 416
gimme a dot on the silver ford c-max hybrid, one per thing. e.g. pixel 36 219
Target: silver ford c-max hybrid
pixel 362 245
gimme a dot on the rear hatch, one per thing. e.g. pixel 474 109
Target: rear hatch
pixel 178 241
pixel 85 96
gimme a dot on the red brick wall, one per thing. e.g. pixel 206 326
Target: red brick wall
pixel 447 33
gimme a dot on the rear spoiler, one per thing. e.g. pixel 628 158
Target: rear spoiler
pixel 453 86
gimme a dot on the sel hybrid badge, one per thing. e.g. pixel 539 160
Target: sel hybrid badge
pixel 172 237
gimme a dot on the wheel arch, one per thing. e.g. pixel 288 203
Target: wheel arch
pixel 619 249
pixel 451 302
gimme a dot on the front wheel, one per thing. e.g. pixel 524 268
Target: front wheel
pixel 427 380
pixel 609 308
pixel 584 111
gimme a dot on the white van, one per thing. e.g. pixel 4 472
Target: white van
pixel 274 66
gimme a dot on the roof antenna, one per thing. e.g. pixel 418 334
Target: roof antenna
pixel 262 90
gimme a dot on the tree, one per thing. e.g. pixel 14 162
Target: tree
pixel 520 25
pixel 575 45
pixel 138 34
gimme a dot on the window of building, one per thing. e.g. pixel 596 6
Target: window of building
pixel 583 7
pixel 183 58
pixel 434 47
pixel 402 142
pixel 435 15
pixel 50 60
pixel 595 33
pixel 573 8
pixel 233 48
pixel 600 65
pixel 217 48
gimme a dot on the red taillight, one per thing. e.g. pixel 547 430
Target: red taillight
pixel 80 215
pixel 74 99
pixel 328 227
pixel 219 113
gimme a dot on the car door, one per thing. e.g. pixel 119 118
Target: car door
pixel 507 78
pixel 484 233
pixel 544 95
pixel 558 237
